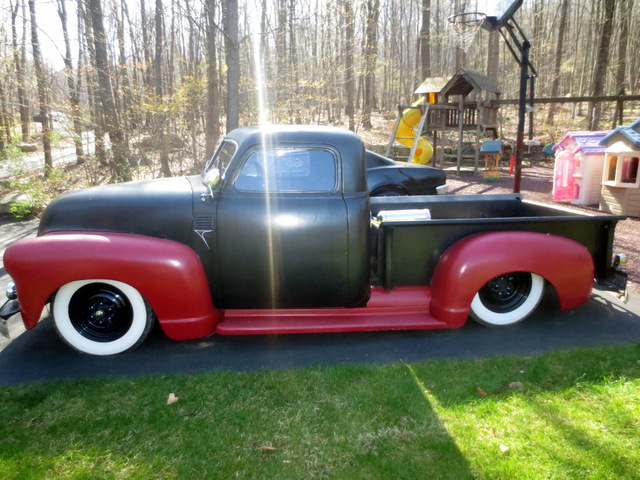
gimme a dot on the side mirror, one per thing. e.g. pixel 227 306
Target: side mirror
pixel 211 181
pixel 212 178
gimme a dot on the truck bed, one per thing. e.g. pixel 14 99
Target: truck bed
pixel 405 250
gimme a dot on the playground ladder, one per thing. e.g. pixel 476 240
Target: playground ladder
pixel 418 131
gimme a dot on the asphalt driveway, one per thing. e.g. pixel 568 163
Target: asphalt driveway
pixel 38 355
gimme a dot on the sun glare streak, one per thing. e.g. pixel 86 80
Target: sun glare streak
pixel 263 119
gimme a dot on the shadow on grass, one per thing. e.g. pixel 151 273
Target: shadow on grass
pixel 349 422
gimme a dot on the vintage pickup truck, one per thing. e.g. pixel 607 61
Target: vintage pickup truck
pixel 280 235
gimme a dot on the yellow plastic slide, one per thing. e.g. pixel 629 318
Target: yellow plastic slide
pixel 411 118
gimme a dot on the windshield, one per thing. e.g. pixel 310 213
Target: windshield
pixel 221 158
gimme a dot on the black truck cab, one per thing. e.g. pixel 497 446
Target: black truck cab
pixel 286 223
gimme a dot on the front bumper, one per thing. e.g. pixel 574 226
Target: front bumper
pixel 9 309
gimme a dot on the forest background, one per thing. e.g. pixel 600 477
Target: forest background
pixel 157 82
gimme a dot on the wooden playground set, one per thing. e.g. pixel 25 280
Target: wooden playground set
pixel 454 122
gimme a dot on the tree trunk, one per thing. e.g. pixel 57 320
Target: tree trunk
pixel 213 106
pixel 159 51
pixel 555 84
pixel 5 120
pixel 161 119
pixel 370 60
pixel 538 23
pixel 282 69
pixel 95 106
pixel 461 54
pixel 19 60
pixel 602 63
pixel 123 71
pixel 148 59
pixel 425 40
pixel 120 162
pixel 620 84
pixel 232 55
pixel 44 116
pixel 294 98
pixel 74 98
pixel 349 45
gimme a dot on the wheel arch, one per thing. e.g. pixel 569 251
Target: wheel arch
pixel 168 274
pixel 469 263
pixel 396 189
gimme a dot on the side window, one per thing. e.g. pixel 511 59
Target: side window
pixel 288 170
pixel 612 167
pixel 222 157
pixel 630 170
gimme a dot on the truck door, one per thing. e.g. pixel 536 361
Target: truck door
pixel 282 231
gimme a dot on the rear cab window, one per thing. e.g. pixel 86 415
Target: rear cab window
pixel 288 170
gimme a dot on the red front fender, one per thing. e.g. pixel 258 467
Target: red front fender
pixel 469 263
pixel 167 274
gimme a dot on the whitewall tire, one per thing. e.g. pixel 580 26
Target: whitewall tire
pixel 101 317
pixel 507 299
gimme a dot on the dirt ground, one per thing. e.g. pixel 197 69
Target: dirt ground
pixel 536 184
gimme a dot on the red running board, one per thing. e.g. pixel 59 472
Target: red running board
pixel 403 308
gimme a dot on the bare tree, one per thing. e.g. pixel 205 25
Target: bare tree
pixel 161 117
pixel 74 97
pixel 372 12
pixel 349 46
pixel 555 83
pixel 232 55
pixel 5 119
pixel 85 26
pixel 212 130
pixel 623 41
pixel 123 69
pixel 120 162
pixel 425 40
pixel 19 61
pixel 44 116
pixel 602 62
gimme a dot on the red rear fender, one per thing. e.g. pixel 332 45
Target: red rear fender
pixel 469 263
pixel 168 274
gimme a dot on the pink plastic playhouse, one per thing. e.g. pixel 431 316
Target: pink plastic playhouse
pixel 578 167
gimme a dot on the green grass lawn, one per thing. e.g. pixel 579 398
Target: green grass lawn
pixel 570 415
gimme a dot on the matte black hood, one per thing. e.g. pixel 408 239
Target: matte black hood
pixel 159 208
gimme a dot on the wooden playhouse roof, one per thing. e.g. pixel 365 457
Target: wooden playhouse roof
pixel 466 81
pixel 431 85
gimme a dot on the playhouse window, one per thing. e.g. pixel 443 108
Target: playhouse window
pixel 621 171
pixel 629 170
pixel 612 167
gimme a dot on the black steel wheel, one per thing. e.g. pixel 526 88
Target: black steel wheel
pixel 508 298
pixel 101 317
